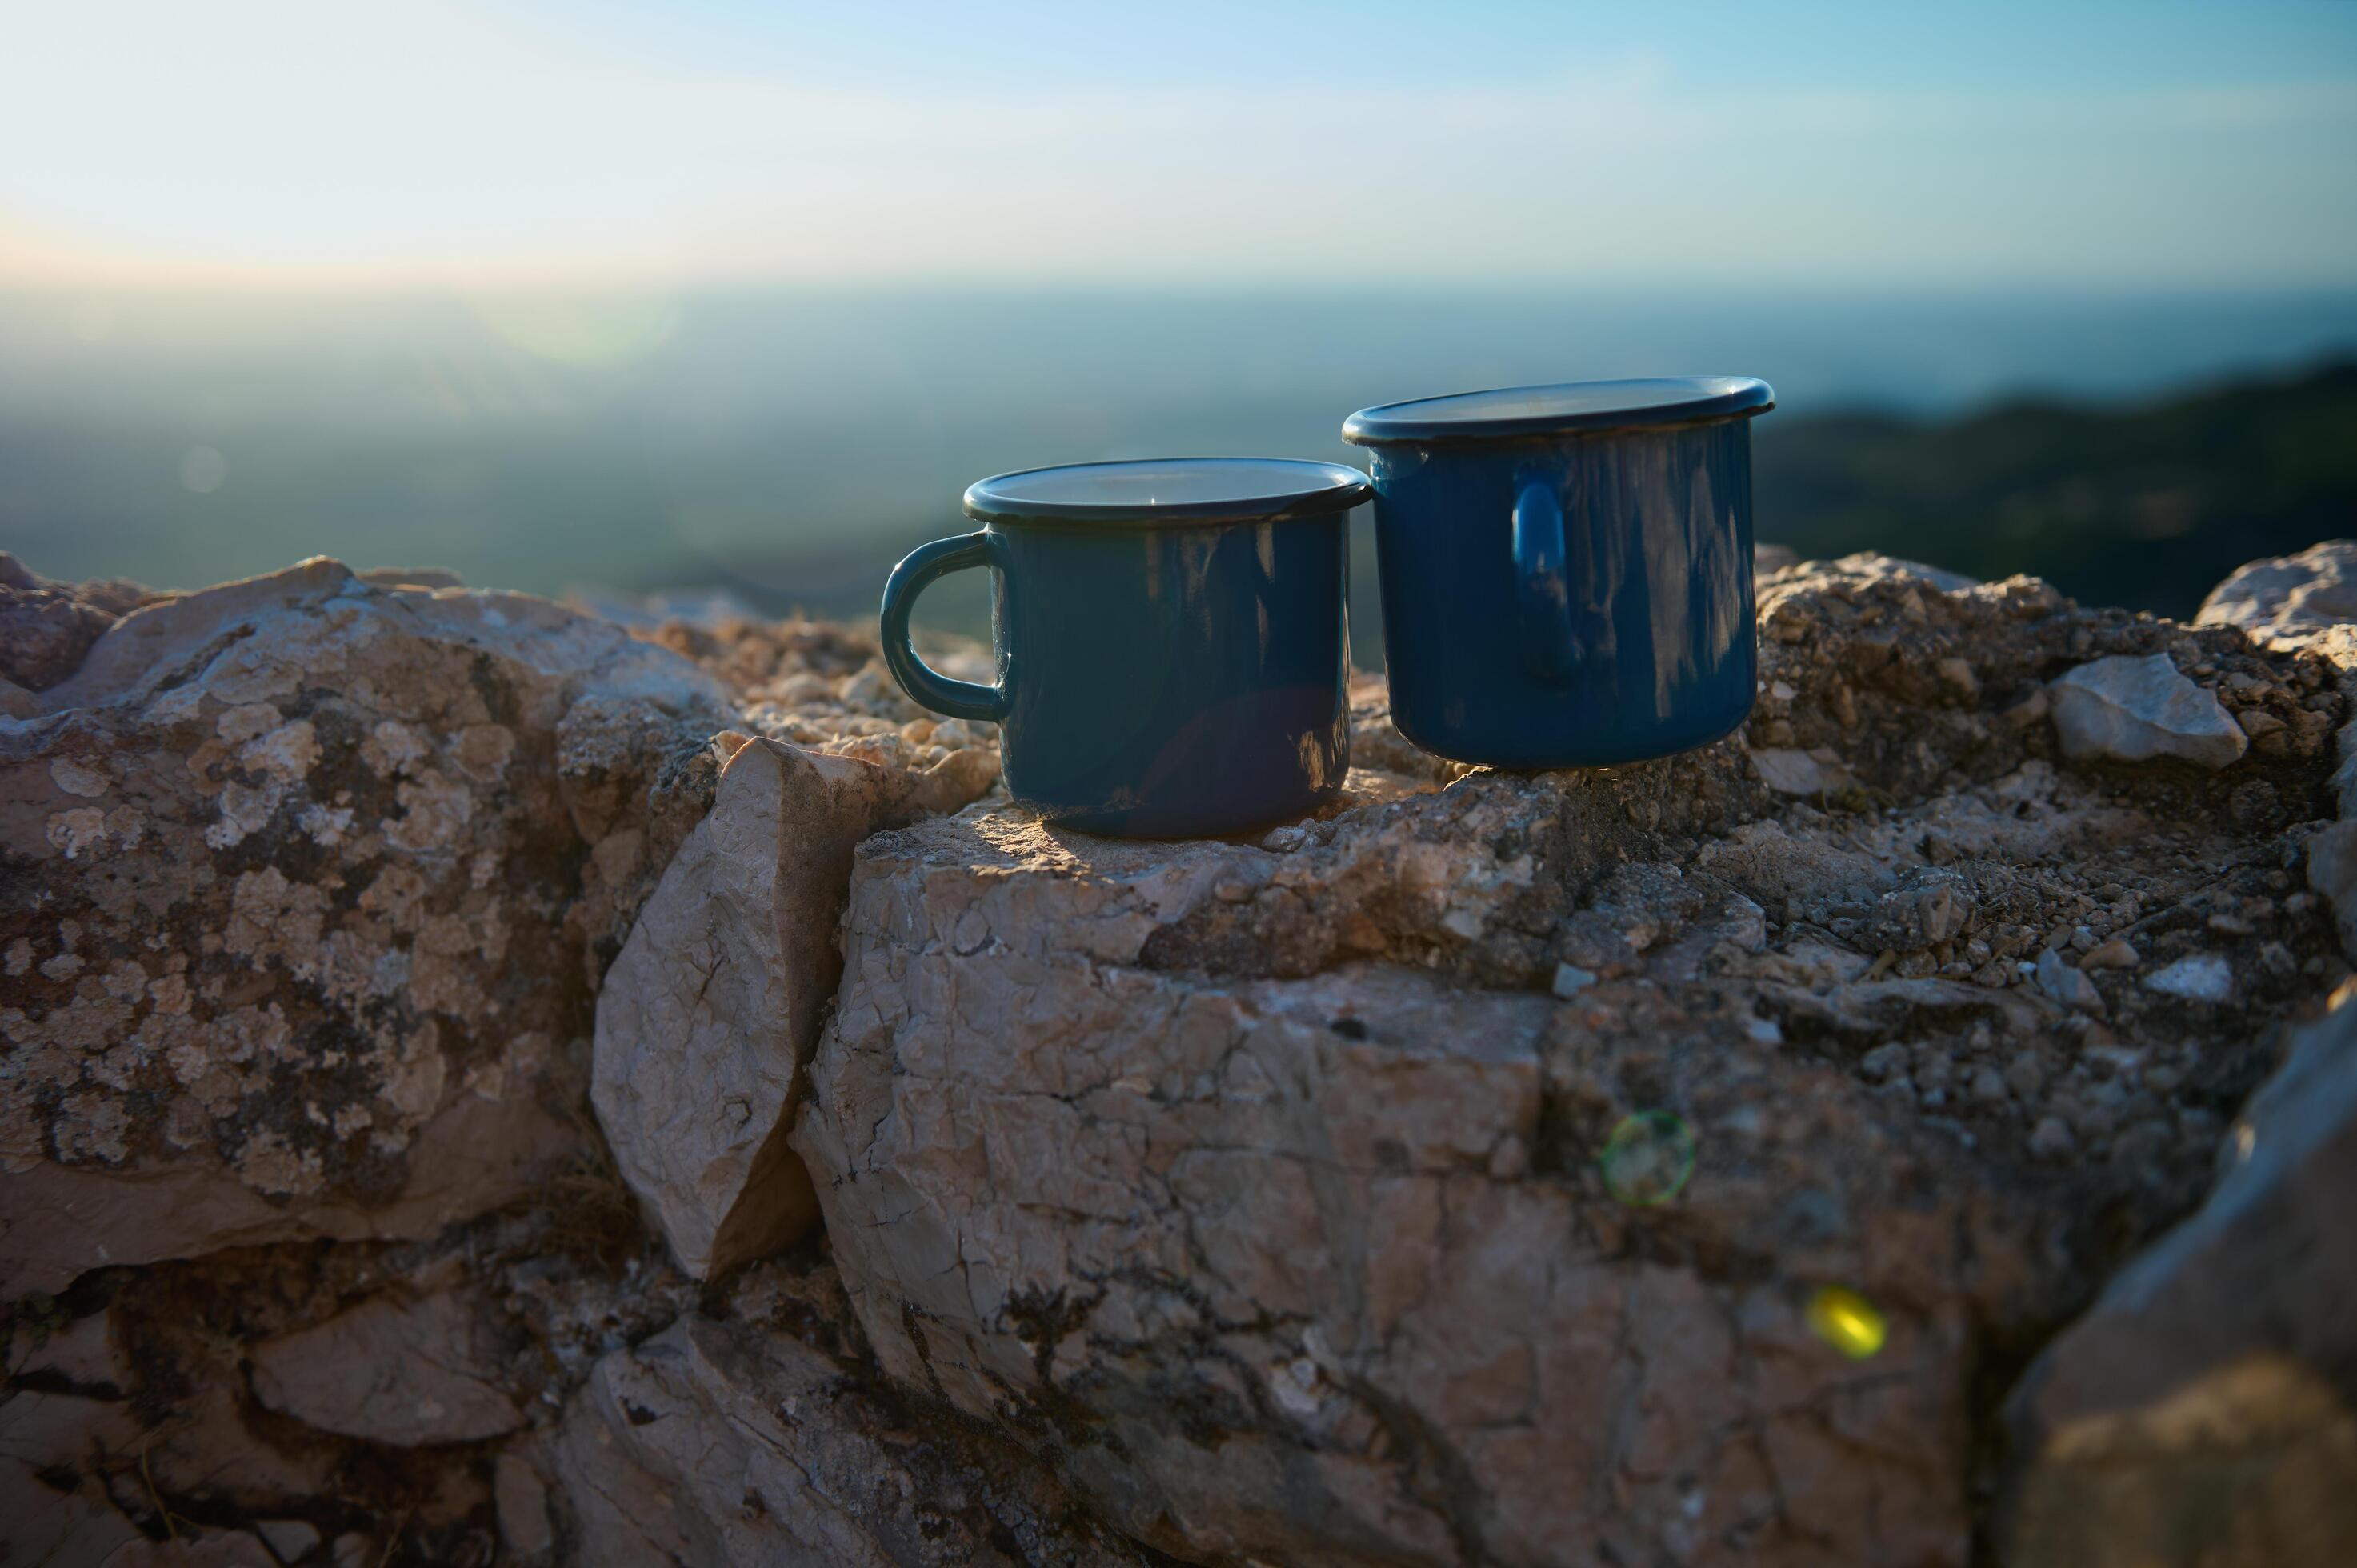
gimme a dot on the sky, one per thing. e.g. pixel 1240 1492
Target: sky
pixel 362 144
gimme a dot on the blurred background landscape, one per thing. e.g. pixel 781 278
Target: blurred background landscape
pixel 726 299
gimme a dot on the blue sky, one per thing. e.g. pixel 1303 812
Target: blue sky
pixel 2015 44
pixel 2154 145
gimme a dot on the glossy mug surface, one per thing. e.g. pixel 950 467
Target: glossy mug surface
pixel 1172 646
pixel 1566 570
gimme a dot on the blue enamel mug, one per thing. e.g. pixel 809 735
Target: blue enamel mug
pixel 1566 570
pixel 1172 645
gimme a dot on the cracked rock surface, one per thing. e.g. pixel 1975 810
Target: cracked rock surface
pixel 1270 1190
pixel 1836 1145
pixel 2288 596
pixel 703 1020
pixel 2199 1411
pixel 404 1372
pixel 2128 709
pixel 313 1249
pixel 303 879
pixel 765 1439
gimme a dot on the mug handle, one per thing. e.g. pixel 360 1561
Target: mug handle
pixel 1543 582
pixel 928 686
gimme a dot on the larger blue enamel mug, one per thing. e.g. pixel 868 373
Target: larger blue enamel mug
pixel 1173 648
pixel 1566 570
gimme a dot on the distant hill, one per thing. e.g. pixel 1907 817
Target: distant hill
pixel 2146 506
pixel 790 446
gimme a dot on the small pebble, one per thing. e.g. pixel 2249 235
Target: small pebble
pixel 1987 1086
pixel 2028 711
pixel 804 689
pixel 1570 979
pixel 870 687
pixel 1883 1060
pixel 2067 985
pixel 289 1538
pixel 2113 954
pixel 2201 977
pixel 2050 1140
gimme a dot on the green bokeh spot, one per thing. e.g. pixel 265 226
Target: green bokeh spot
pixel 1648 1158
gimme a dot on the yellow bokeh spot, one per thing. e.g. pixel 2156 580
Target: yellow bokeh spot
pixel 1846 1321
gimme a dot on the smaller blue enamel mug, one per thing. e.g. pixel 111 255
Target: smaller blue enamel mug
pixel 1173 650
pixel 1566 570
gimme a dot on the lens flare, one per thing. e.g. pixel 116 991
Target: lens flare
pixel 582 332
pixel 1648 1158
pixel 1846 1321
pixel 203 469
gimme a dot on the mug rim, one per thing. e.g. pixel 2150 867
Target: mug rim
pixel 1286 488
pixel 1560 408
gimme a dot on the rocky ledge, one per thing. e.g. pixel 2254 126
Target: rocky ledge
pixel 481 1085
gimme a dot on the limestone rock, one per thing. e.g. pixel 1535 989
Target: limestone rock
pixel 2197 977
pixel 47 629
pixel 427 577
pixel 1570 979
pixel 1272 1193
pixel 522 1497
pixel 1789 771
pixel 303 875
pixel 1321 1270
pixel 1267 1200
pixel 2200 1411
pixel 714 1445
pixel 2332 871
pixel 401 1372
pixel 1939 577
pixel 2069 986
pixel 2134 709
pixel 2286 596
pixel 53 1509
pixel 81 1355
pixel 288 1538
pixel 705 1018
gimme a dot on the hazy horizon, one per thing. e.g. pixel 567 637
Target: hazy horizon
pixel 786 442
